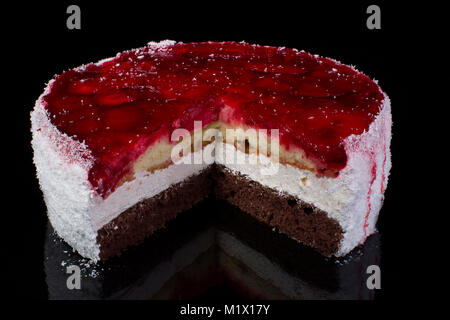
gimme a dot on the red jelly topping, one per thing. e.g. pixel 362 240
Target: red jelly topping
pixel 121 106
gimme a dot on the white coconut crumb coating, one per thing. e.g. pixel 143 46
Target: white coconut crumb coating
pixel 62 166
pixel 161 45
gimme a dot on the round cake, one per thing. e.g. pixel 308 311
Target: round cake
pixel 298 141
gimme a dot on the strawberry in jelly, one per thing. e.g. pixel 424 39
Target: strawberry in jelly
pixel 121 106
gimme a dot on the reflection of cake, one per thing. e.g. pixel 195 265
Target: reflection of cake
pixel 104 147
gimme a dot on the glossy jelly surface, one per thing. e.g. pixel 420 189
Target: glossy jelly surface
pixel 120 106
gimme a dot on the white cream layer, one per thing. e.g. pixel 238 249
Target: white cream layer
pixel 144 186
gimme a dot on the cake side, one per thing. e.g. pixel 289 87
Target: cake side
pixel 62 166
pixel 366 176
pixel 353 199
pixel 76 211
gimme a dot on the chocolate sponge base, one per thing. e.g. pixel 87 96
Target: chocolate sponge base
pixel 285 213
pixel 133 225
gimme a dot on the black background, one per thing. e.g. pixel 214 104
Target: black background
pixel 38 46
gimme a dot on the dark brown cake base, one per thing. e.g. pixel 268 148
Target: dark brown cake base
pixel 289 215
pixel 295 218
pixel 138 222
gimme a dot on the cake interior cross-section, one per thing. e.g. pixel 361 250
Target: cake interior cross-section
pixel 298 141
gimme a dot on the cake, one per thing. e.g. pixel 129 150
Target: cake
pixel 298 141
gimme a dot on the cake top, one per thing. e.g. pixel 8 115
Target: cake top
pixel 120 106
